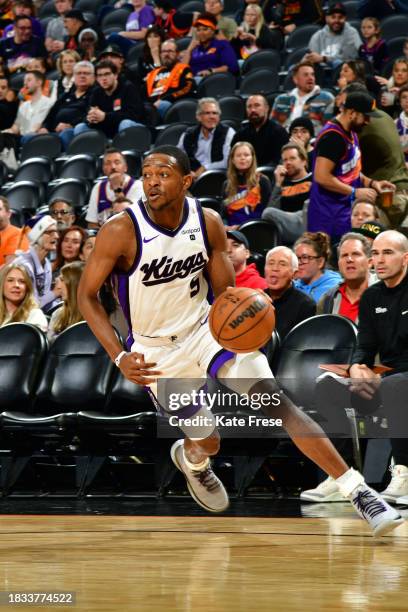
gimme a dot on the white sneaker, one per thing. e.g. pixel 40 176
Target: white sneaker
pixel 402 501
pixel 205 487
pixel 375 510
pixel 398 486
pixel 327 491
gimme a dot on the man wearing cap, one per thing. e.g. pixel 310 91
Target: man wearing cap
pixel 56 32
pixel 171 81
pixel 354 266
pixel 337 176
pixel 238 253
pixel 71 108
pixel 205 54
pixel 226 26
pixel 74 23
pixel 305 100
pixel 43 238
pixel 337 41
pixel 301 132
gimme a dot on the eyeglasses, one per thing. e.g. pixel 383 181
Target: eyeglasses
pixel 308 258
pixel 60 213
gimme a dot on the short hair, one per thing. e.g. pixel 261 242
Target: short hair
pixel 260 95
pixel 364 201
pixel 293 256
pixel 5 203
pixel 107 64
pixel 180 156
pixel 84 64
pixel 301 150
pixel 111 151
pixel 403 89
pixel 300 65
pixel 40 76
pixel 207 100
pixel 65 200
pixel 20 17
pixel 355 236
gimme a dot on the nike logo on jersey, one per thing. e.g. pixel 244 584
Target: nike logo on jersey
pixel 167 270
pixel 380 310
pixel 150 239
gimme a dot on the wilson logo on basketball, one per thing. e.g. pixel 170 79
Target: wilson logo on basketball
pixel 249 313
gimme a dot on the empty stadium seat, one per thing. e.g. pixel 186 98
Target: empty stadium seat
pixel 395 46
pixel 74 190
pixel 260 81
pixel 232 107
pixel 137 138
pixel 213 203
pixel 170 134
pixel 262 235
pixel 209 184
pixel 82 166
pixel 181 111
pixel 25 196
pixel 115 20
pixel 300 37
pixel 44 145
pixel 216 85
pixel 35 169
pixel 92 142
pixel 265 58
pixel 393 26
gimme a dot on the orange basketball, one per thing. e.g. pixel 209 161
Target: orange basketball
pixel 242 320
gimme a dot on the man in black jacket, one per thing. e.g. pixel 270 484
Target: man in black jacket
pixel 71 108
pixel 114 105
pixel 265 135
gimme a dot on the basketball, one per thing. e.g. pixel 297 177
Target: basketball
pixel 242 320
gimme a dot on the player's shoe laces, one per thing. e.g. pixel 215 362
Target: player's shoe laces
pixel 204 486
pixel 326 491
pixel 398 486
pixel 375 510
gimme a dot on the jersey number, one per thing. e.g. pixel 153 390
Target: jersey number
pixel 194 287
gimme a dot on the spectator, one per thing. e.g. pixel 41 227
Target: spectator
pixel 354 266
pixel 113 105
pixel 392 86
pixel 265 135
pixel 246 191
pixel 354 71
pixel 113 54
pixel 32 113
pixel 117 183
pixel 361 212
pixel 71 108
pixel 206 54
pixel 337 41
pixel 313 252
pixel 291 305
pixel 8 105
pixel 43 239
pixel 253 34
pixel 88 246
pixel 171 81
pixel 11 238
pixel 175 24
pixel 27 9
pixel 56 33
pixel 402 121
pixel 89 44
pixel 337 176
pixel 17 301
pixel 150 58
pixel 63 212
pixel 65 65
pixel 207 144
pixel 71 241
pixel 136 26
pixel 238 253
pixel 17 50
pixel 6 14
pixel 74 23
pixel 374 48
pixel 287 15
pixel 380 8
pixel 49 88
pixel 305 100
pixel 286 207
pixel 301 132
pixel 226 26
pixel 68 313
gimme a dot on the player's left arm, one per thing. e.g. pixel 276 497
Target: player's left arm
pixel 219 266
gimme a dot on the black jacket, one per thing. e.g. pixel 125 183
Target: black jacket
pixel 68 109
pixel 291 308
pixel 267 141
pixel 124 103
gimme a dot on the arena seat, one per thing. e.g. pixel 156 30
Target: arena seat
pixel 300 37
pixel 92 142
pixel 265 58
pixel 75 190
pixel 209 184
pixel 181 111
pixel 192 6
pixel 81 166
pixel 170 134
pixel 232 107
pixel 212 203
pixel 261 235
pixel 216 85
pixel 115 20
pixel 268 171
pixel 38 169
pixel 44 145
pixel 393 26
pixel 395 47
pixel 260 81
pixel 138 138
pixel 25 196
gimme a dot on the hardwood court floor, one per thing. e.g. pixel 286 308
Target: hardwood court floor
pixel 207 563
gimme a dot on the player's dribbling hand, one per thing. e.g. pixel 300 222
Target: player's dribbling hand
pixel 134 367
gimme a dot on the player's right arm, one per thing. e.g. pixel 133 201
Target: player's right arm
pixel 115 247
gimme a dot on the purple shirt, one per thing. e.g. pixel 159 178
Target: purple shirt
pixel 140 19
pixel 36 25
pixel 218 53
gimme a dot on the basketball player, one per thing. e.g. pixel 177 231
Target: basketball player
pixel 164 295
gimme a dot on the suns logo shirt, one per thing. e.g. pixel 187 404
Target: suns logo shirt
pixel 165 292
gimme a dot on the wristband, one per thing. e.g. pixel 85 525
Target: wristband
pixel 118 358
pixel 352 194
pixel 370 183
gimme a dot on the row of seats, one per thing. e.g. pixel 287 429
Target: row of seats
pixel 69 399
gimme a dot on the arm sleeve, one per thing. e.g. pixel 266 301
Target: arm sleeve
pixel 331 146
pixel 367 344
pixel 314 43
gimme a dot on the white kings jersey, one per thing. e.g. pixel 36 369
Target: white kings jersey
pixel 165 291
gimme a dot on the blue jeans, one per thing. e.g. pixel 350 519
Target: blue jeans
pixel 163 106
pixel 123 125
